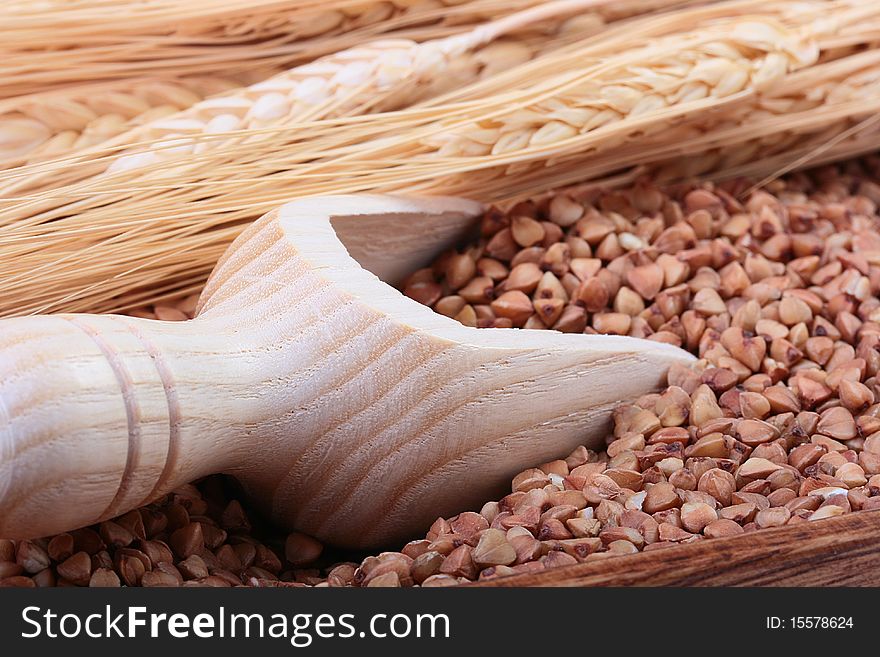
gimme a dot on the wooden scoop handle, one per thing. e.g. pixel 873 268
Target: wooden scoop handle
pixel 94 415
pixel 100 414
pixel 345 409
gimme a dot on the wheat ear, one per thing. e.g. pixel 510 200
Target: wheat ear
pixel 113 236
pixel 381 76
pixel 56 43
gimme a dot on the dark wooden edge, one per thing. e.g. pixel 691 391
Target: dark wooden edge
pixel 841 551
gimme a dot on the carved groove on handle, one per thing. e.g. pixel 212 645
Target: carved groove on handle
pixel 171 398
pixel 7 449
pixel 132 412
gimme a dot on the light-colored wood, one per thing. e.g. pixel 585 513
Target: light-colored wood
pixel 346 409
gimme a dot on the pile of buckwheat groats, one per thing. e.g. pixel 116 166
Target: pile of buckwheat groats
pixel 775 291
pixel 196 536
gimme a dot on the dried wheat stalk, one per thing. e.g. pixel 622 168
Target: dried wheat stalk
pixel 634 89
pixel 554 149
pixel 709 66
pixel 172 44
pixel 118 234
pixel 828 133
pixel 384 75
pixel 59 42
pixel 38 127
pixel 808 113
pixel 820 114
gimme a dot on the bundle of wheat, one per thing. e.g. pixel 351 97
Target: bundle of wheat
pixel 38 127
pixel 62 42
pixel 820 114
pixel 586 99
pixel 384 75
pixel 829 110
pixel 379 76
pixel 66 96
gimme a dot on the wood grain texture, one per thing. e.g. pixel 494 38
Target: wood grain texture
pixel 345 409
pixel 841 551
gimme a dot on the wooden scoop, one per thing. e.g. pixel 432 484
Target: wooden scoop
pixel 345 409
